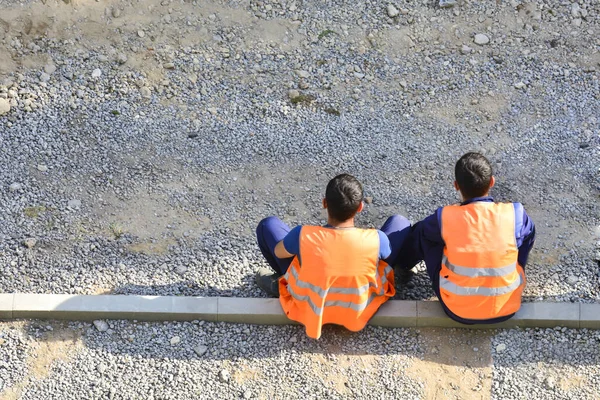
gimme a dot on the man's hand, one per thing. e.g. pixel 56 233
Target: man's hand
pixel 281 252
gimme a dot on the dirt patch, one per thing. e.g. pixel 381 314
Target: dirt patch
pixel 279 31
pixel 456 364
pixel 97 289
pixel 484 111
pixel 398 42
pixel 92 26
pixel 572 381
pixel 333 369
pixel 148 216
pixel 156 247
pixel 245 375
pixel 57 345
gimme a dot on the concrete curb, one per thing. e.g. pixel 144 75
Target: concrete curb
pixel 395 313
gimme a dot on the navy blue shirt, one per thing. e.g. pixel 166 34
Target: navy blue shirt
pixel 291 242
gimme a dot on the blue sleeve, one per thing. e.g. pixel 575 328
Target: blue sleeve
pixel 432 230
pixel 385 248
pixel 524 233
pixel 291 241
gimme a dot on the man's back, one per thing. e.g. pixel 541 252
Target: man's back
pixel 336 277
pixel 480 278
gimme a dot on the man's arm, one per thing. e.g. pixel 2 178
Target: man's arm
pixel 290 245
pixel 281 252
pixel 525 233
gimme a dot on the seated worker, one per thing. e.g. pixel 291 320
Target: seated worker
pixel 475 252
pixel 332 274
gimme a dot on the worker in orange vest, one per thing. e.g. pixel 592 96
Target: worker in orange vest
pixel 335 273
pixel 475 252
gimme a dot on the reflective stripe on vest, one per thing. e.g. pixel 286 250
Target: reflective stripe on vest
pixel 342 290
pixel 479 272
pixel 322 293
pixel 478 291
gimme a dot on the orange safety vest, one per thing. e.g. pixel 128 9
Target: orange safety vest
pixel 336 279
pixel 480 276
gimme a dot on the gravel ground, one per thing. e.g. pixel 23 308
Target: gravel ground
pixel 207 360
pixel 143 144
pixel 555 363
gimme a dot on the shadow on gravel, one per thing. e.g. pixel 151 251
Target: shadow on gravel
pixel 191 288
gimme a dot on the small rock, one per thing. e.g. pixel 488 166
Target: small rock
pixel 141 33
pixel 200 350
pixel 74 204
pixel 102 326
pixel 96 73
pixel 224 376
pixel 116 12
pixel 293 93
pixel 302 73
pixel 15 187
pixel 175 340
pixel 121 58
pixel 145 92
pixel 181 269
pixel 392 11
pixel 247 394
pixel 50 69
pixel 500 348
pixel 42 168
pixel 481 39
pixel 465 49
pixel 550 382
pixel 572 280
pixel 4 106
pixel 102 368
pixel 29 242
pixel 369 200
pixel 520 85
pixel 169 65
pixel 447 3
pixel 44 77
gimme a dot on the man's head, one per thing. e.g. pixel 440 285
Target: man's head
pixel 343 197
pixel 474 176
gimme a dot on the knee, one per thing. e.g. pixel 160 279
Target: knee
pixel 264 223
pixel 399 220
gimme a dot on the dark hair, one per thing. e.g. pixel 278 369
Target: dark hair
pixel 473 173
pixel 344 194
